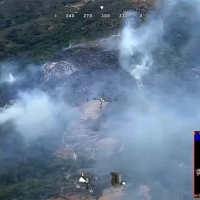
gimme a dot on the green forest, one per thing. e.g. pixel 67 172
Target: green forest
pixel 31 30
pixel 30 171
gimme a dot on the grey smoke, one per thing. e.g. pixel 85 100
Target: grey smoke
pixel 7 73
pixel 136 44
pixel 157 123
pixel 11 78
pixel 35 114
pixel 8 78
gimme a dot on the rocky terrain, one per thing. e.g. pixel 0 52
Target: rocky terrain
pixel 81 140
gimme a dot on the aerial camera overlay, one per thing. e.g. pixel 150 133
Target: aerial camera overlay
pixel 98 99
pixel 196 164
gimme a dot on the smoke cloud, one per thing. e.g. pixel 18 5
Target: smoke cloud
pixel 137 44
pixel 157 121
pixel 35 114
pixel 6 74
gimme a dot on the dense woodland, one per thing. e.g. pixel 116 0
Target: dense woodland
pixel 31 30
pixel 31 170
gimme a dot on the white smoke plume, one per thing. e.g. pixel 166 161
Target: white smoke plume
pixel 158 124
pixel 10 79
pixel 9 74
pixel 136 44
pixel 35 114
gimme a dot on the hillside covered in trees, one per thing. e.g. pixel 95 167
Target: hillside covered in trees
pixel 30 29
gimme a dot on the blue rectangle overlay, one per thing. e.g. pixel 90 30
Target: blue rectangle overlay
pixel 196 165
pixel 196 135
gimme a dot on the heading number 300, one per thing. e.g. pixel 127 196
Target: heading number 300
pixel 105 15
